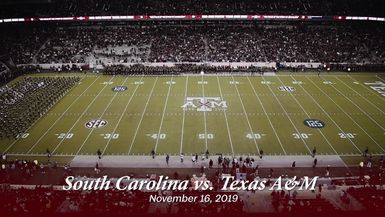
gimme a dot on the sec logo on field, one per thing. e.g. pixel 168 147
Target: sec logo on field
pixel 119 88
pixel 286 88
pixel 314 123
pixel 97 123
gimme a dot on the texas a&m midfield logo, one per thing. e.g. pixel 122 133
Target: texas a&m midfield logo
pixel 204 104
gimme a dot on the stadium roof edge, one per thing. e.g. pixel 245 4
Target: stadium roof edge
pixel 192 17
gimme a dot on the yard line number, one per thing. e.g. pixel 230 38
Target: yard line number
pixel 22 135
pixel 206 136
pixel 110 135
pixel 157 136
pixel 64 135
pixel 301 135
pixel 347 135
pixel 255 135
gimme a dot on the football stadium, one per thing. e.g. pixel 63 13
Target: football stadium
pixel 189 92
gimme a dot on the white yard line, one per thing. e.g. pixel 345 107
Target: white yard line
pixel 367 87
pixel 347 115
pixel 380 78
pixel 363 111
pixel 227 122
pixel 121 115
pixel 164 110
pixel 247 117
pixel 287 115
pixel 61 116
pixel 141 118
pixel 204 112
pixel 268 118
pixel 183 118
pixel 319 130
pixel 358 108
pixel 100 117
pixel 84 112
pixel 327 114
pixel 362 96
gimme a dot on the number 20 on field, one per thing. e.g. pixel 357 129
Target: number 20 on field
pixel 347 135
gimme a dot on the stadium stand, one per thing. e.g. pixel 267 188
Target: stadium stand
pixel 371 197
pixel 289 43
pixel 172 7
pixel 48 200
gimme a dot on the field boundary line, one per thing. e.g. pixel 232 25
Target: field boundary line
pixel 227 123
pixel 268 118
pixel 183 118
pixel 291 121
pixel 164 110
pixel 100 117
pixel 121 116
pixel 141 118
pixel 245 113
pixel 89 105
pixel 363 130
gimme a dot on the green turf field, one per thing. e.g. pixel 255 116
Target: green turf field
pixel 235 115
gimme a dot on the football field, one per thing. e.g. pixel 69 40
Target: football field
pixel 285 114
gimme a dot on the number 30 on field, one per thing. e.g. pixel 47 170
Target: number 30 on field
pixel 110 135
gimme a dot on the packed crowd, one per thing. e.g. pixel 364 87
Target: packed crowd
pixel 139 69
pixel 4 72
pixel 48 200
pixel 2 68
pixel 75 44
pixel 173 7
pixel 207 208
pixel 372 197
pixel 264 43
pixel 287 202
pixel 25 101
pixel 22 43
pixel 36 199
